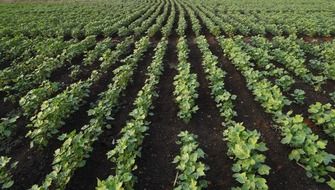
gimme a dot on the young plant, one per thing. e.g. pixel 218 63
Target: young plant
pixel 128 147
pixel 215 75
pixel 77 147
pixel 31 102
pixel 246 151
pixel 332 96
pixel 323 115
pixel 191 170
pixel 285 82
pixel 94 55
pixel 54 111
pixel 299 96
pixel 308 149
pixel 185 83
pixel 75 71
pixel 7 124
pixel 6 181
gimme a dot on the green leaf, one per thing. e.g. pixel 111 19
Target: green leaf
pixel 261 183
pixel 236 168
pixel 328 158
pixel 331 183
pixel 262 147
pixel 241 177
pixel 7 184
pixel 264 170
pixel 321 144
pixel 294 155
pixel 287 139
pixel 241 151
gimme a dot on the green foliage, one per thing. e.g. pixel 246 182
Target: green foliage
pixel 159 22
pixel 109 57
pixel 34 45
pixel 215 75
pixel 54 111
pixel 328 58
pixel 95 54
pixel 7 124
pixel 166 30
pixel 332 96
pixel 246 151
pixel 31 102
pixel 76 49
pixel 128 147
pixel 324 116
pixel 299 96
pixel 308 150
pixel 269 95
pixel 181 21
pixel 78 146
pixel 288 52
pixel 6 181
pixel 196 27
pixel 189 166
pixel 75 71
pixel 260 54
pixel 185 84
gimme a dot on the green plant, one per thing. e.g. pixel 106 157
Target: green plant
pixel 76 49
pixel 50 118
pixel 128 147
pixel 323 115
pixel 223 98
pixel 196 27
pixel 181 22
pixel 6 168
pixel 246 151
pixel 299 96
pixel 75 71
pixel 190 169
pixel 31 102
pixel 78 146
pixel 7 124
pixel 109 57
pixel 332 96
pixel 308 149
pixel 166 30
pixel 285 82
pixel 185 84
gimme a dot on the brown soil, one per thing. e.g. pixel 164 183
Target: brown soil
pixel 6 106
pixel 328 87
pixel 317 39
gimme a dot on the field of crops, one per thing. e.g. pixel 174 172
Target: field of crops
pixel 167 94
